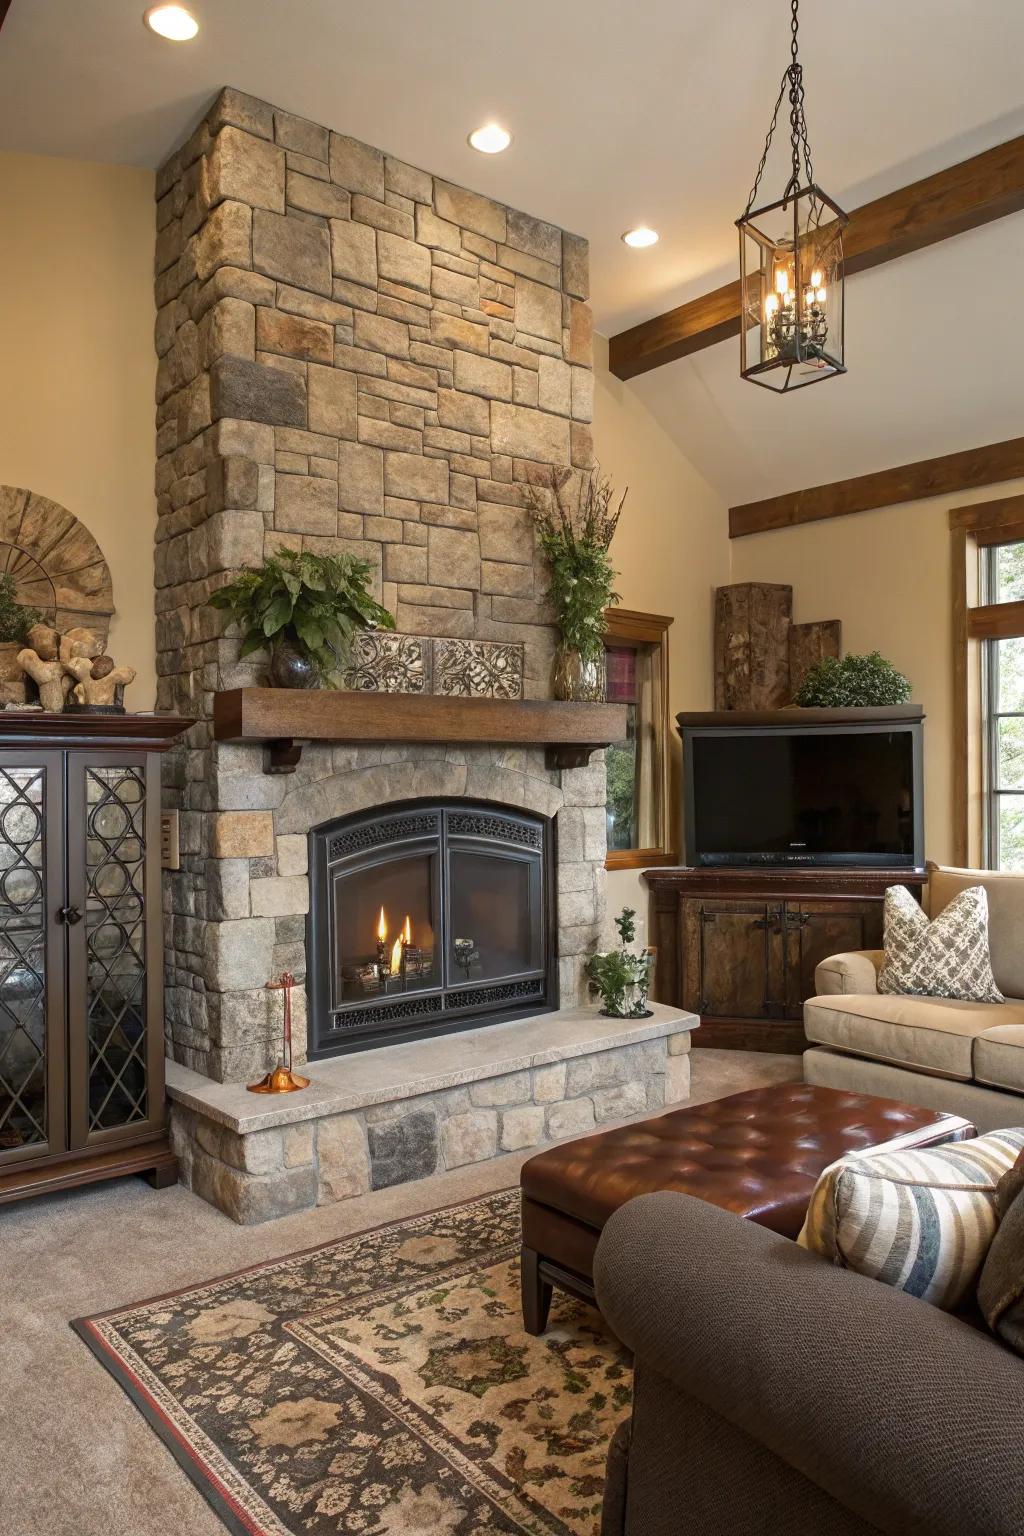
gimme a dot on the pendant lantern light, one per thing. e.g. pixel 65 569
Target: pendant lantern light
pixel 791 263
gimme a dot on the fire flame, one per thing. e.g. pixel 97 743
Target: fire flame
pixel 396 956
pixel 382 926
pixel 407 931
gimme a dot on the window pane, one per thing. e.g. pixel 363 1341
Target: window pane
pixel 1010 831
pixel 635 765
pixel 1010 742
pixel 620 765
pixel 620 674
pixel 1006 573
pixel 1008 658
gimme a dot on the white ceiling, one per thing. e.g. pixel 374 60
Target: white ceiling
pixel 622 113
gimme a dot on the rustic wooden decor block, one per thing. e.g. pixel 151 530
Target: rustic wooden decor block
pixel 809 644
pixel 752 625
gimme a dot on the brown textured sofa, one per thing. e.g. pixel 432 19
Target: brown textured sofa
pixel 965 1058
pixel 776 1394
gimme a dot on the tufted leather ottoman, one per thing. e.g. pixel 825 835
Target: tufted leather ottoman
pixel 758 1154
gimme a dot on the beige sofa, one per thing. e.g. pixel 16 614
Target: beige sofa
pixel 967 1058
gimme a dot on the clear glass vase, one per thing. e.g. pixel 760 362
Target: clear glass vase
pixel 574 678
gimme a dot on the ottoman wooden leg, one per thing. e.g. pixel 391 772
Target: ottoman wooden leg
pixel 536 1292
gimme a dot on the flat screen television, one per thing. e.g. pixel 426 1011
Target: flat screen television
pixel 803 795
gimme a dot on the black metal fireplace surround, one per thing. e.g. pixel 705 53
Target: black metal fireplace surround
pixel 425 917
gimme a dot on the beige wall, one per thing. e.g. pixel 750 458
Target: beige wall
pixel 887 575
pixel 671 551
pixel 76 381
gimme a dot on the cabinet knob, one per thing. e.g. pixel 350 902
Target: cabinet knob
pixel 69 915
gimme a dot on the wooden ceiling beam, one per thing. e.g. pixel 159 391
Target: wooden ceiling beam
pixel 988 465
pixel 963 196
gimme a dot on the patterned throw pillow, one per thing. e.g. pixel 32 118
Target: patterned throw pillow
pixel 920 1221
pixel 947 957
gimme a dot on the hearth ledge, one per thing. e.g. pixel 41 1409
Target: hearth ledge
pixel 395 1073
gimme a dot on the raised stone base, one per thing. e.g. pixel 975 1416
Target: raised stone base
pixel 384 1117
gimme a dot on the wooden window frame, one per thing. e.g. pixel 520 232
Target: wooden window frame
pixel 628 626
pixel 976 528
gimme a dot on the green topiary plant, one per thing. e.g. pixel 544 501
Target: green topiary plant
pixel 855 682
pixel 622 976
pixel 15 620
pixel 316 602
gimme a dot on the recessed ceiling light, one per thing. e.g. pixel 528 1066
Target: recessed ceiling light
pixel 490 139
pixel 640 237
pixel 171 21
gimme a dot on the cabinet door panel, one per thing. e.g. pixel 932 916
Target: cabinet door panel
pixel 734 954
pixel 112 822
pixel 816 930
pixel 33 1120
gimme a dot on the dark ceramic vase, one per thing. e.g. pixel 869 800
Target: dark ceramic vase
pixel 290 667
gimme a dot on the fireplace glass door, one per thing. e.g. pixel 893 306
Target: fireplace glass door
pixel 427 917
pixel 384 914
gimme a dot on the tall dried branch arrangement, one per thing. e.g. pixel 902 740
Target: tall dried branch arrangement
pixel 575 539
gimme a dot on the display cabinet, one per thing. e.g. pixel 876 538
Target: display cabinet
pixel 81 950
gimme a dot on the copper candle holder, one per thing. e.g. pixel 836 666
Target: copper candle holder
pixel 282 1079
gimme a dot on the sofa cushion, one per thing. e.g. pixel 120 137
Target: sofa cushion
pixel 1005 894
pixel 931 1034
pixel 919 1220
pixel 999 1057
pixel 944 957
pixel 1001 1283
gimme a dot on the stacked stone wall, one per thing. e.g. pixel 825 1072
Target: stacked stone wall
pixel 354 356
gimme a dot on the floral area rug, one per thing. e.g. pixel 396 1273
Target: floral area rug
pixel 381 1384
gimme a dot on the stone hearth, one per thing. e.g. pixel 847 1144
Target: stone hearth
pixel 403 1112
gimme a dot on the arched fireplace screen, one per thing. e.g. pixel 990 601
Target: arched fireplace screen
pixel 426 917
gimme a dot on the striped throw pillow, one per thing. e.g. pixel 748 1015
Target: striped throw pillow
pixel 919 1220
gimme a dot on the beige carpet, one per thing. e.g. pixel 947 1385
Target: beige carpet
pixel 78 1458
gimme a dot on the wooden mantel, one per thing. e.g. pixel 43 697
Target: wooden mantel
pixel 284 718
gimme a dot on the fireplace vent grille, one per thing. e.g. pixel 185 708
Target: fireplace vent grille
pixel 501 827
pixel 505 992
pixel 374 834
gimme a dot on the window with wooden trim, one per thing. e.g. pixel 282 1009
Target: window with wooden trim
pixel 1002 582
pixel 636 660
pixel 988 681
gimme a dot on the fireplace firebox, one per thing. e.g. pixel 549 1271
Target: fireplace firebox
pixel 426 917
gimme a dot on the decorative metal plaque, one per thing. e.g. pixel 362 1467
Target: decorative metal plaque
pixel 483 669
pixel 383 662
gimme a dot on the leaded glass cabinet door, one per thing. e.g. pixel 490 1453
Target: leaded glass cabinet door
pixel 33 1119
pixel 114 942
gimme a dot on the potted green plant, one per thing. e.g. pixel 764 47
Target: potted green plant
pixel 855 682
pixel 622 976
pixel 575 542
pixel 307 608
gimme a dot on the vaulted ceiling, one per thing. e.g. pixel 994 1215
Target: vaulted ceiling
pixel 649 112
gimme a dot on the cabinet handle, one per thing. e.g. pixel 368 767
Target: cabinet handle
pixel 69 915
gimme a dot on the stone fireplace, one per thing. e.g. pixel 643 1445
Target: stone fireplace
pixel 357 356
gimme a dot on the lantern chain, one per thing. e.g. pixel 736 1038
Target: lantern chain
pixel 800 148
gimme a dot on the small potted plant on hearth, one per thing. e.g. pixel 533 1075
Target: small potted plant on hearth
pixel 307 608
pixel 575 540
pixel 622 976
